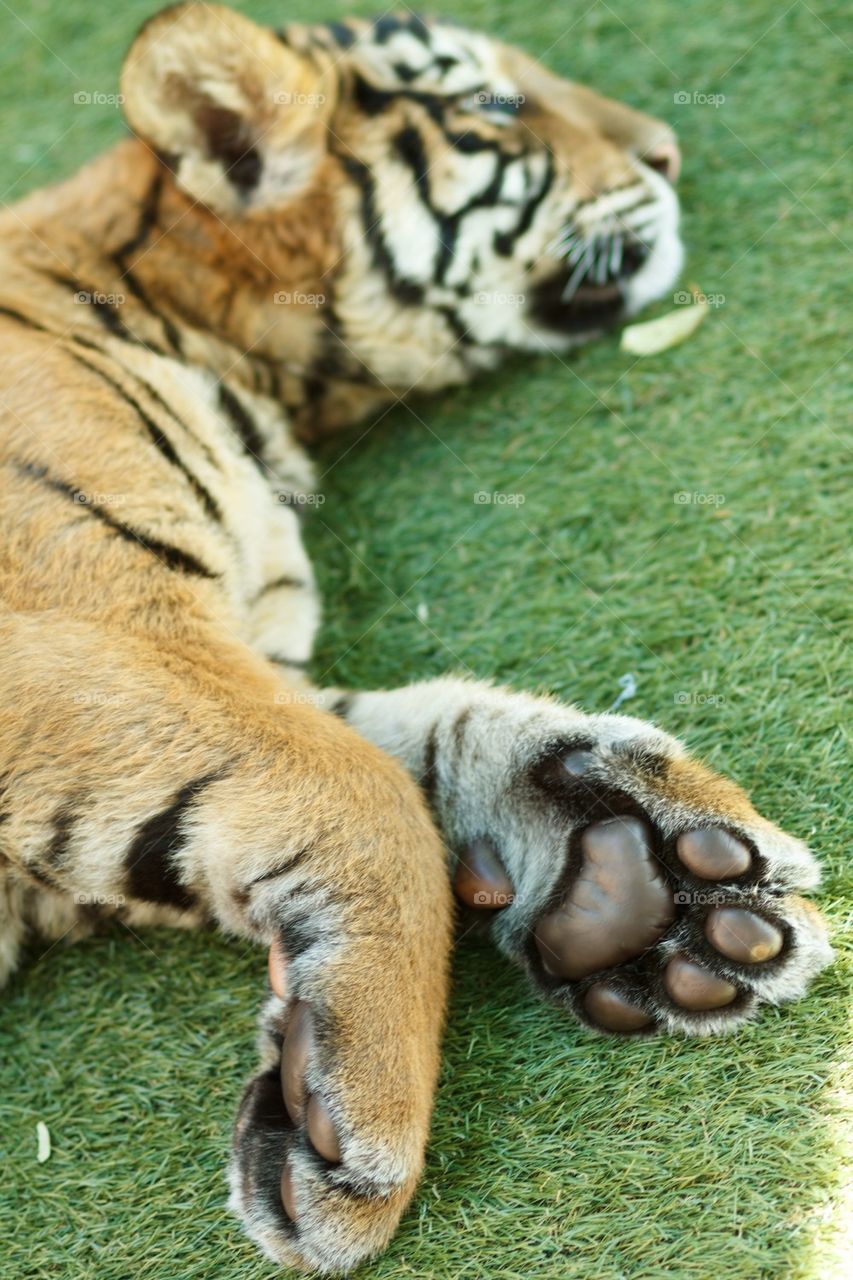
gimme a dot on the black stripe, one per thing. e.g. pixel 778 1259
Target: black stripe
pixel 300 934
pixel 170 330
pixel 462 332
pixel 265 375
pixel 63 828
pixel 373 101
pixel 429 774
pixel 106 312
pixel 159 440
pixel 172 557
pixel 407 292
pixel 109 318
pixel 147 221
pixel 151 871
pixel 387 26
pixel 290 865
pixel 313 390
pixel 404 72
pixel 417 27
pixel 390 24
pixel 470 143
pixel 163 404
pixel 505 241
pixel 334 360
pixel 82 341
pixel 295 584
pixel 22 319
pixel 343 705
pixel 40 877
pixel 244 425
pixel 460 728
pixel 410 148
pixel 343 36
pixel 280 660
pixel 168 159
pixel 166 407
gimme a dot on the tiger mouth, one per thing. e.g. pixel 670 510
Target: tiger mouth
pixel 585 320
pixel 588 309
pixel 598 294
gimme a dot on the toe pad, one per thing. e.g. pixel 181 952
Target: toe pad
pixel 480 880
pixel 613 1011
pixel 713 854
pixel 743 936
pixel 694 987
pixel 321 1131
pixel 294 1059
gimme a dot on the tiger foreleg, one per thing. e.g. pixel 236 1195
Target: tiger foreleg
pixel 195 786
pixel 637 888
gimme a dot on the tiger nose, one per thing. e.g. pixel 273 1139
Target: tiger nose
pixel 666 159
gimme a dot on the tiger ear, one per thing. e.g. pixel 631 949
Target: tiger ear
pixel 240 118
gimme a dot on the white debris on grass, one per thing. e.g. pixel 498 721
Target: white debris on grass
pixel 667 331
pixel 627 689
pixel 43 1136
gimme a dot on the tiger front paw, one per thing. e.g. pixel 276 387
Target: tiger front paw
pixel 637 888
pixel 330 1135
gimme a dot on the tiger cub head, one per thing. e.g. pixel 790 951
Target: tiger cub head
pixel 442 197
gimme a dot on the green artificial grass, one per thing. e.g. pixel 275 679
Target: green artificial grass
pixel 555 1155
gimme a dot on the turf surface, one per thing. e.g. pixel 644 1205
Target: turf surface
pixel 554 1154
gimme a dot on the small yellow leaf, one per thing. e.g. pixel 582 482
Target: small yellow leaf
pixel 667 331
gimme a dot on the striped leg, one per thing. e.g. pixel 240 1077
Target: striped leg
pixel 637 888
pixel 186 782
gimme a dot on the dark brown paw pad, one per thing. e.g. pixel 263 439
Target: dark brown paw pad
pixel 692 986
pixel 713 854
pixel 480 880
pixel 622 904
pixel 305 1110
pixel 613 1011
pixel 742 936
pixel 618 906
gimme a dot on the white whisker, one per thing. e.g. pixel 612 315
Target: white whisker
pixel 578 252
pixel 578 274
pixel 616 254
pixel 562 243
